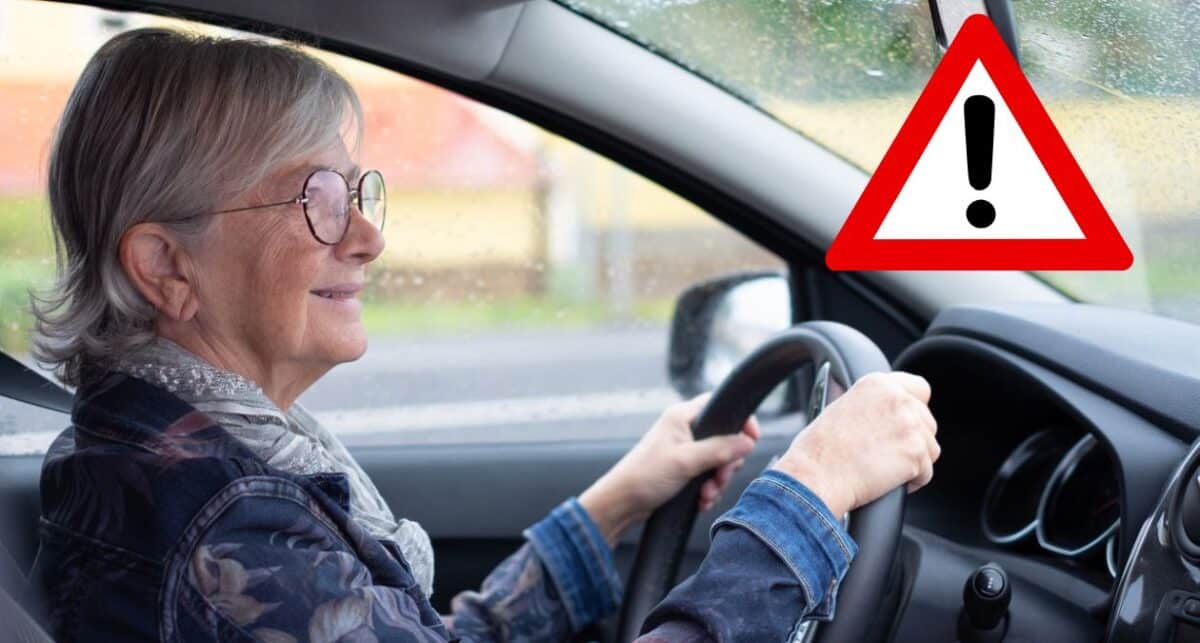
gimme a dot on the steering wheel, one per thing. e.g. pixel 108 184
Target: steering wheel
pixel 875 527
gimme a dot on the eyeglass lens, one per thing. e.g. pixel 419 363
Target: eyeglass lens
pixel 328 203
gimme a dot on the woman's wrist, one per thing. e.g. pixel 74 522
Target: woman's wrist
pixel 810 475
pixel 609 509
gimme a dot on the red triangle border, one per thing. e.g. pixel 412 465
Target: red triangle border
pixel 855 247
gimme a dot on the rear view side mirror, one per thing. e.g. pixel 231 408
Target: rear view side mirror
pixel 719 322
pixel 949 15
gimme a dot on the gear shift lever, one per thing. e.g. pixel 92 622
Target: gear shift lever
pixel 986 595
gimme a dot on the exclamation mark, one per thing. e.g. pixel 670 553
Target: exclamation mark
pixel 979 113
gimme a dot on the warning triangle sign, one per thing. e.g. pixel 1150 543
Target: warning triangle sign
pixel 978 179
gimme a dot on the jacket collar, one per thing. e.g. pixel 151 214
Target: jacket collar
pixel 113 407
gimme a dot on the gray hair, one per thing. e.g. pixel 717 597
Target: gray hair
pixel 163 126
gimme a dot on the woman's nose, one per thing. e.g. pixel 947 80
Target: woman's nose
pixel 363 241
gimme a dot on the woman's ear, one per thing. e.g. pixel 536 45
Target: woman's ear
pixel 160 268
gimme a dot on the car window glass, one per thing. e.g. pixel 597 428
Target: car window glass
pixel 1118 77
pixel 527 282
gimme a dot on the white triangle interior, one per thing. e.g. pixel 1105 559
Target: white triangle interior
pixel 933 202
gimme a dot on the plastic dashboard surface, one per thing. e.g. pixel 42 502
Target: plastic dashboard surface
pixel 1118 389
pixel 1147 363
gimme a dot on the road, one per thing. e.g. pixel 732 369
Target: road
pixel 549 385
pixel 496 387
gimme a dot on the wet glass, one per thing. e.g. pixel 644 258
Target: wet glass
pixel 1120 79
pixel 527 285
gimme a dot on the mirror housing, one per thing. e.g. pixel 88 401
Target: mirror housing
pixel 720 321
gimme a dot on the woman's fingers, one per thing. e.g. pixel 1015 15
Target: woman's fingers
pixel 752 429
pixel 685 412
pixel 725 453
pixel 721 478
pixel 717 451
pixel 933 452
pixel 710 491
pixel 916 385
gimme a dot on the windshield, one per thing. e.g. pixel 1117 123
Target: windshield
pixel 1119 78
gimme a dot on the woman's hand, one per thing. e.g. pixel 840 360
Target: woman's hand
pixel 876 437
pixel 660 464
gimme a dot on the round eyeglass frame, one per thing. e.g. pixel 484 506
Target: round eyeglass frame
pixel 356 193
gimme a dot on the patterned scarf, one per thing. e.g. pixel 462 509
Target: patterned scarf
pixel 292 440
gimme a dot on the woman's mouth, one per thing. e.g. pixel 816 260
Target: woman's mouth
pixel 341 293
pixel 333 294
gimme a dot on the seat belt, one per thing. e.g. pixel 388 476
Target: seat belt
pixel 21 383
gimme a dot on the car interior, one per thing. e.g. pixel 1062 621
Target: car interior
pixel 1068 429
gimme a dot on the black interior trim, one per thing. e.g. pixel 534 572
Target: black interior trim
pixel 1134 358
pixel 907 322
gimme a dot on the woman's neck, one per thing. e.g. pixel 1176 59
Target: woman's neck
pixel 282 382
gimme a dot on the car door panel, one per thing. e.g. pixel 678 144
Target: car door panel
pixel 475 499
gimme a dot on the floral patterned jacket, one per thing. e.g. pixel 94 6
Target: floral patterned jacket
pixel 158 525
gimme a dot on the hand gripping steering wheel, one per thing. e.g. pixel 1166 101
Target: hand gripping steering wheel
pixel 875 527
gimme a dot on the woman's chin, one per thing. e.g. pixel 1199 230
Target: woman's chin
pixel 340 350
pixel 343 342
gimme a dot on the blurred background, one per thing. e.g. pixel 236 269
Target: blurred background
pixel 491 221
pixel 527 283
pixel 1120 79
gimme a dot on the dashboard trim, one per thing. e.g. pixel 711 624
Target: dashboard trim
pixel 1064 470
pixel 1143 454
pixel 1020 457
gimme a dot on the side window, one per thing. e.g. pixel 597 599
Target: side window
pixel 527 284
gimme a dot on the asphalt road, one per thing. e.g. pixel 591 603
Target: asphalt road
pixel 498 387
pixel 549 385
pixel 515 386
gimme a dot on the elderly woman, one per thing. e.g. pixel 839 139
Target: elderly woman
pixel 214 231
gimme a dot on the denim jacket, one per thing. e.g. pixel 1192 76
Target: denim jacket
pixel 159 525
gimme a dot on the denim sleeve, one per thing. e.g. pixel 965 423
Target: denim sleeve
pixel 776 558
pixel 559 582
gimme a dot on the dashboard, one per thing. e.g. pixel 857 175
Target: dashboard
pixel 1059 490
pixel 1062 429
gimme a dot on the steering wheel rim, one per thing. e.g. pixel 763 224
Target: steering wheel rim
pixel 875 527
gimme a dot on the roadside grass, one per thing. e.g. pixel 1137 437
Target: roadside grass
pixel 27 261
pixel 381 317
pixel 17 276
pixel 516 313
pixel 24 228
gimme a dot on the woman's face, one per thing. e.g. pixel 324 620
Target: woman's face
pixel 266 285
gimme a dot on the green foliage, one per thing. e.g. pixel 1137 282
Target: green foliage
pixel 1146 47
pixel 17 276
pixel 770 50
pixel 25 228
pixel 26 261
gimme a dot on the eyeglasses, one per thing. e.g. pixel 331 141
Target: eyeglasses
pixel 326 200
